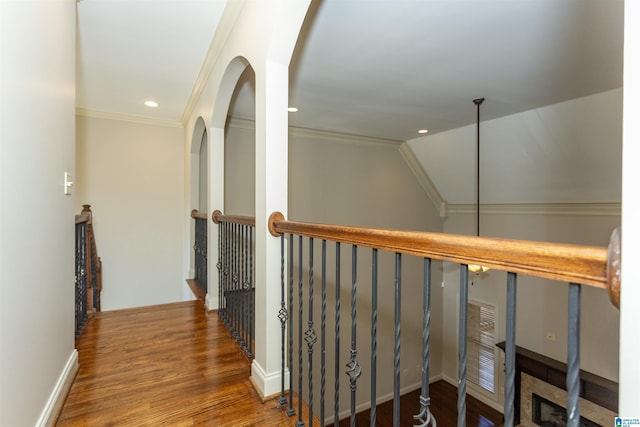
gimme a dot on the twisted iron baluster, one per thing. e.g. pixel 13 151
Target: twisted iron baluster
pixel 252 295
pixel 573 357
pixel 510 352
pixel 219 267
pixel 243 284
pixel 323 328
pixel 299 422
pixel 353 367
pixel 282 315
pixel 310 335
pixel 462 346
pixel 291 412
pixel 374 332
pixel 336 383
pixel 236 282
pixel 396 347
pixel 425 417
pixel 227 277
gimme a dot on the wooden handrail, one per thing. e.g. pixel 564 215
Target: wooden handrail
pixel 587 265
pixel 218 217
pixel 196 214
pixel 82 218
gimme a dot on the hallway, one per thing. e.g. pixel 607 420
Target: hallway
pixel 165 365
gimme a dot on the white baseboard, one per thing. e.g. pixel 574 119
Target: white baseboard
pixel 482 398
pixel 211 301
pixel 267 385
pixel 52 409
pixel 382 399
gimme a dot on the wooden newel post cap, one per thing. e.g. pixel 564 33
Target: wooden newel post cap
pixel 194 212
pixel 276 216
pixel 215 215
pixel 613 268
pixel 86 209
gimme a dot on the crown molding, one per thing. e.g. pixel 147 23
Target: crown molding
pixel 127 118
pixel 562 209
pixel 343 138
pixel 228 20
pixel 423 178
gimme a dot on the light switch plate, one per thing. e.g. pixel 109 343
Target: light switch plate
pixel 68 183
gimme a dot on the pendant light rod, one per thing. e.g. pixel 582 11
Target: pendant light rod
pixel 478 101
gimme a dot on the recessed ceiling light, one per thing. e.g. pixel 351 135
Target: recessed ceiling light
pixel 292 109
pixel 151 104
pixel 423 131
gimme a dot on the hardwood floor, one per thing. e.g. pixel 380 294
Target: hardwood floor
pixel 176 365
pixel 168 365
pixel 444 398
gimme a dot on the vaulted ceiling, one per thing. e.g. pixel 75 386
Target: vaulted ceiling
pixel 381 68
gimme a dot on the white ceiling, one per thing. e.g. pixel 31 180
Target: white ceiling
pixel 381 68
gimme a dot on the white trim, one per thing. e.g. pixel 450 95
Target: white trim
pixel 471 392
pixel 563 209
pixel 423 178
pixel 211 301
pixel 127 118
pixel 52 409
pixel 343 138
pixel 380 400
pixel 267 384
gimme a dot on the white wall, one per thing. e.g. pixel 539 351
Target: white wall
pixel 132 175
pixel 542 304
pixel 353 181
pixel 37 82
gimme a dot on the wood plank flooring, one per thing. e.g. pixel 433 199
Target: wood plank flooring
pixel 176 365
pixel 167 365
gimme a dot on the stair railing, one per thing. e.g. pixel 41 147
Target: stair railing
pixel 88 277
pixel 200 252
pixel 236 290
pixel 576 265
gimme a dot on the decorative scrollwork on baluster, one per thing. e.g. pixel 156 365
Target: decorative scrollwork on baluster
pixel 354 371
pixel 283 315
pixel 425 417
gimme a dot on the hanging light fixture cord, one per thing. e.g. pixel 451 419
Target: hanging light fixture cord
pixel 478 268
pixel 478 101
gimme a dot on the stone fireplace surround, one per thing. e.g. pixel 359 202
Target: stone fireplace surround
pixel 547 378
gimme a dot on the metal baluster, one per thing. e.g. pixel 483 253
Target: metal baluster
pixel 226 272
pixel 396 347
pixel 310 335
pixel 299 422
pixel 282 315
pixel 323 328
pixel 243 284
pixel 238 293
pixel 573 357
pixel 205 279
pixel 219 267
pixel 374 332
pixel 510 352
pixel 462 346
pixel 353 367
pixel 252 295
pixel 291 412
pixel 235 282
pixel 425 417
pixel 336 383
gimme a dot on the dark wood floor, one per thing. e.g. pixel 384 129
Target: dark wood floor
pixel 444 398
pixel 176 365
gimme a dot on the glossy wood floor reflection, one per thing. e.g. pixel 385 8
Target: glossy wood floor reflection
pixel 167 365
